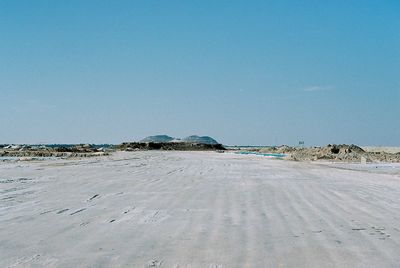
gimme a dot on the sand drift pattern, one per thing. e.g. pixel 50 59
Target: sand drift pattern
pixel 195 209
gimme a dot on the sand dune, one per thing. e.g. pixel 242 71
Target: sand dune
pixel 196 209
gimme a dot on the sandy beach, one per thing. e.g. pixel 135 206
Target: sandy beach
pixel 196 209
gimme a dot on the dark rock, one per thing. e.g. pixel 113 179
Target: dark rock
pixel 335 149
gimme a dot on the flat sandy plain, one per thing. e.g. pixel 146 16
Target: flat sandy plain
pixel 196 209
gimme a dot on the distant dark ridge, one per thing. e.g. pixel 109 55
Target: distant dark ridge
pixel 169 146
pixel 158 138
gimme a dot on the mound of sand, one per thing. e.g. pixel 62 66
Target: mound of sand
pixel 342 153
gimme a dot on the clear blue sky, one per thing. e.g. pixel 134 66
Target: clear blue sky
pixel 244 72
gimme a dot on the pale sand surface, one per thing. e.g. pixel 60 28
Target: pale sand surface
pixel 196 209
pixel 386 149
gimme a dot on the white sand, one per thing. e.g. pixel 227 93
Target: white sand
pixel 186 209
pixel 392 150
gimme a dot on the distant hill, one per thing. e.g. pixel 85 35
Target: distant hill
pixel 158 139
pixel 201 140
pixel 190 139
